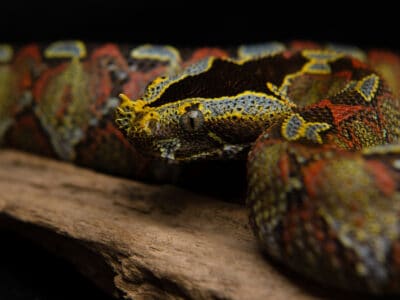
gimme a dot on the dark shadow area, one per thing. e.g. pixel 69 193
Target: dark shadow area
pixel 226 180
pixel 202 23
pixel 27 271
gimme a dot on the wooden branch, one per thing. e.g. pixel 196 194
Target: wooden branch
pixel 140 241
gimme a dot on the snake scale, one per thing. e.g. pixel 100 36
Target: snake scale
pixel 318 123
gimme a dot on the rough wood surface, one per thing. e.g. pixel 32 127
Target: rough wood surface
pixel 141 241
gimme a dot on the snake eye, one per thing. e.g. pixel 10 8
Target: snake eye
pixel 192 120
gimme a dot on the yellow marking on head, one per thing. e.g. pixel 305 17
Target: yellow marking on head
pixel 183 108
pixel 157 81
pixel 66 49
pixel 188 102
pixel 234 114
pixel 125 99
pixel 273 88
pixel 145 120
pixel 127 111
pixel 160 84
pixel 133 105
pixel 156 88
pixel 281 92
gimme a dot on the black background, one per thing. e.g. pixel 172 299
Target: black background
pixel 199 23
pixel 190 23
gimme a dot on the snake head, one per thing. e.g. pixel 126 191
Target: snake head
pixel 208 111
pixel 175 131
pixel 196 128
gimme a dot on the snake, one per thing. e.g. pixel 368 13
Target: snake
pixel 317 124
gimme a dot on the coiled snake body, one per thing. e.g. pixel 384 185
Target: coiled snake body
pixel 321 124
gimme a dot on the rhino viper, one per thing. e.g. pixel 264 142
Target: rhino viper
pixel 319 126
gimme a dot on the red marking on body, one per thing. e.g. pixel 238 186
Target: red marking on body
pixel 66 99
pixel 100 88
pixel 263 142
pixel 290 225
pixel 382 178
pixel 302 45
pixel 46 77
pixel 332 234
pixel 359 221
pixel 330 247
pixel 287 54
pixel 292 219
pixel 138 81
pixel 28 135
pixel 354 206
pixel 25 81
pixel 26 60
pixel 305 214
pixel 109 131
pixel 319 235
pixel 396 253
pixel 119 152
pixel 286 236
pixel 100 81
pixel 358 64
pixel 344 74
pixel 354 140
pixel 340 112
pixel 312 177
pixel 111 50
pixel 29 51
pixel 381 56
pixel 284 167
